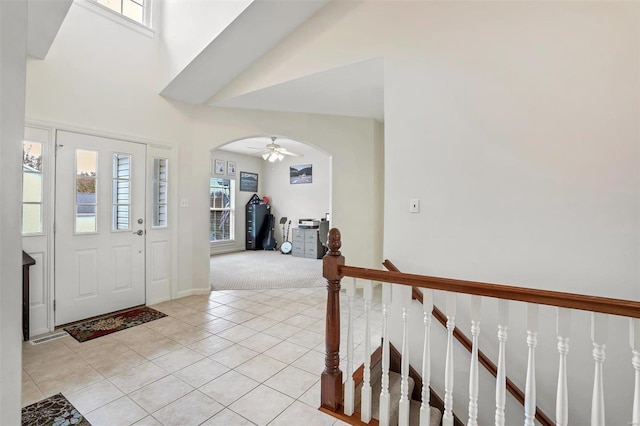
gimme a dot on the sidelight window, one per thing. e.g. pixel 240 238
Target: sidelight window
pixel 31 188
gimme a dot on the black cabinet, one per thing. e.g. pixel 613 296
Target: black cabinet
pixel 256 215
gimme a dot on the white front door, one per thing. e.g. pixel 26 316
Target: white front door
pixel 99 226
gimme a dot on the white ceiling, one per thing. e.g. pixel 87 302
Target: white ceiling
pixel 44 21
pixel 247 38
pixel 246 146
pixel 355 90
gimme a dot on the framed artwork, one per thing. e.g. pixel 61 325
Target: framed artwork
pixel 301 174
pixel 219 167
pixel 231 168
pixel 248 182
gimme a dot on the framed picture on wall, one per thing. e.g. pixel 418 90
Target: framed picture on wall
pixel 301 174
pixel 231 168
pixel 219 167
pixel 248 182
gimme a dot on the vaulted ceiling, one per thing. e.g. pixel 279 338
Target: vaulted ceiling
pixel 354 90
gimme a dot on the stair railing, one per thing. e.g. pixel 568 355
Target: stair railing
pixel 334 269
pixel 478 357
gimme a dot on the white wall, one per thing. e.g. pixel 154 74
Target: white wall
pixel 13 48
pixel 104 76
pixel 244 163
pixel 516 125
pixel 298 201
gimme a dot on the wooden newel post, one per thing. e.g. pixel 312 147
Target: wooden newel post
pixel 331 382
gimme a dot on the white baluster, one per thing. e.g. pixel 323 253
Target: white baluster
pixel 427 308
pixel 501 380
pixel 530 383
pixel 447 417
pixel 349 385
pixel 473 369
pixel 403 409
pixel 562 392
pixel 636 391
pixel 598 335
pixel 634 324
pixel 365 398
pixel 385 401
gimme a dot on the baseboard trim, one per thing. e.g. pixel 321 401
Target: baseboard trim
pixel 193 292
pixel 156 301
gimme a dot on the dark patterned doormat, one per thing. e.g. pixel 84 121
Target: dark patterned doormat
pixel 111 323
pixel 55 410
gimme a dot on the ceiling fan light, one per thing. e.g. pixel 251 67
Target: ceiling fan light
pixel 265 155
pixel 280 157
pixel 273 157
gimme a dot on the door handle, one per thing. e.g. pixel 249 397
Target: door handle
pixel 139 232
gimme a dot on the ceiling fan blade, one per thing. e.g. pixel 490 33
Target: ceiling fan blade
pixel 292 154
pixel 253 147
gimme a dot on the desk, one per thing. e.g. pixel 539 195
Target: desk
pixel 26 262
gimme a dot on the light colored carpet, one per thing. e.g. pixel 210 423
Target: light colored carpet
pixel 249 270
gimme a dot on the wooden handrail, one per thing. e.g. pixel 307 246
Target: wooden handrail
pixel 334 270
pixel 512 388
pixel 605 305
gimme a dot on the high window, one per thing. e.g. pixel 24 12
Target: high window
pixel 136 10
pixel 221 209
pixel 31 188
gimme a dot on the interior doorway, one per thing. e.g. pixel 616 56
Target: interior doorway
pixel 293 177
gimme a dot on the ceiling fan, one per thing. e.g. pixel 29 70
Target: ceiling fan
pixel 274 152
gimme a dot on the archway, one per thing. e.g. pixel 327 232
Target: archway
pixel 297 187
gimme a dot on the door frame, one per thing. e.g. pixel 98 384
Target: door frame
pixel 49 197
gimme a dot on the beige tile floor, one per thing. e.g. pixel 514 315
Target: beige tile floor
pixel 237 357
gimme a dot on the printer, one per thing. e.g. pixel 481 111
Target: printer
pixel 308 223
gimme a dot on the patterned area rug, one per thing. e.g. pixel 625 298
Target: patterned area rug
pixel 55 410
pixel 110 324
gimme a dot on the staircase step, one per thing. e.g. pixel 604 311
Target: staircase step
pixel 414 414
pixel 395 380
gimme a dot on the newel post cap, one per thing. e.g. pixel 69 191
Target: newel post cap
pixel 333 259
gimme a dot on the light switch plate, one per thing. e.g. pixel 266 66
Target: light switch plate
pixel 414 205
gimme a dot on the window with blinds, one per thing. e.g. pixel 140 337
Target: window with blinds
pixel 160 185
pixel 221 209
pixel 121 192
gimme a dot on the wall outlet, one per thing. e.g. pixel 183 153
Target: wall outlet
pixel 184 202
pixel 414 205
